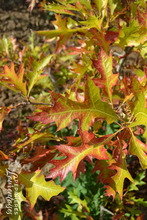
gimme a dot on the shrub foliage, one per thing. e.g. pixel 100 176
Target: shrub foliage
pixel 89 105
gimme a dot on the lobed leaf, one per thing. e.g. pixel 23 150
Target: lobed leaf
pixel 36 185
pixel 139 149
pixel 14 81
pixel 104 67
pixel 116 182
pixel 132 35
pixel 105 172
pixel 63 31
pixel 142 17
pixel 75 199
pixel 65 110
pixel 40 158
pixel 74 155
pixel 61 9
pixel 35 75
pixel 35 137
pixel 140 112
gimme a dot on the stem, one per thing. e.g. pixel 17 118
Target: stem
pixel 102 210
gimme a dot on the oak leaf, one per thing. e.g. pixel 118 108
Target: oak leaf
pixel 65 110
pixel 77 150
pixel 37 67
pixel 105 172
pixel 36 185
pixel 40 157
pixel 139 149
pixel 104 67
pixel 116 182
pixel 12 80
pixel 34 138
pixel 62 30
pixel 140 113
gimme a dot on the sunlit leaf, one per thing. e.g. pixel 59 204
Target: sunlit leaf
pixel 116 182
pixel 36 185
pixel 73 157
pixel 35 137
pixel 139 149
pixel 104 67
pixel 37 66
pixel 140 113
pixel 64 110
pixel 13 80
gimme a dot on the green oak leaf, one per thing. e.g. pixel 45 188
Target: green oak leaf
pixel 116 182
pixel 139 149
pixel 37 66
pixel 140 113
pixel 36 185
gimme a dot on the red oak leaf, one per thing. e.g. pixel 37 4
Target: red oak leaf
pixel 105 172
pixel 142 18
pixel 116 182
pixel 40 158
pixel 111 36
pixel 65 110
pixel 73 157
pixel 104 67
pixel 12 80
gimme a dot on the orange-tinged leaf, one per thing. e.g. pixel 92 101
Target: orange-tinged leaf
pixel 111 36
pixel 3 112
pixel 116 182
pixel 105 172
pixel 139 149
pixel 142 17
pixel 140 217
pixel 104 67
pixel 89 138
pixel 3 170
pixel 3 156
pixel 74 155
pixel 13 81
pixel 63 8
pixel 32 214
pixel 62 30
pixel 119 216
pixel 40 158
pixel 36 185
pixel 66 110
pixel 35 137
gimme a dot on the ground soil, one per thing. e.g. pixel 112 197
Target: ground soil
pixel 17 20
